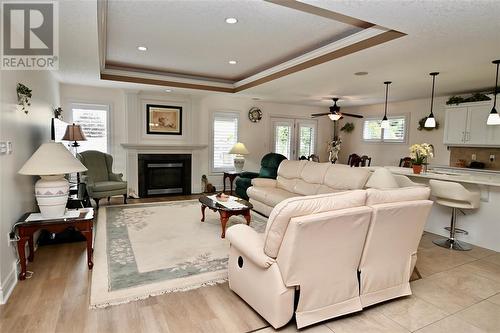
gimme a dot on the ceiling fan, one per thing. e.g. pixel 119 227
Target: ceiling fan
pixel 334 113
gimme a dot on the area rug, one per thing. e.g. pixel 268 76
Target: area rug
pixel 144 250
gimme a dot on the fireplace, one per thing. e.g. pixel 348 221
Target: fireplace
pixel 164 174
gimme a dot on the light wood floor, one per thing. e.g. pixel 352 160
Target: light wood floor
pixel 460 291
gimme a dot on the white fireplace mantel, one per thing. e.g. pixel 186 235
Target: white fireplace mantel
pixel 156 146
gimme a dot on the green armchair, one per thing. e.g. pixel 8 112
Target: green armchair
pixel 99 179
pixel 269 169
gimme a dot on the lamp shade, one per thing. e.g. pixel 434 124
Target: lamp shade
pixel 74 133
pixel 239 149
pixel 51 159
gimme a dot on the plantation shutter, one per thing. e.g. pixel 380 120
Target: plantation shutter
pixel 396 130
pixel 225 136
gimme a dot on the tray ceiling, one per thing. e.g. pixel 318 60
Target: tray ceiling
pixel 189 44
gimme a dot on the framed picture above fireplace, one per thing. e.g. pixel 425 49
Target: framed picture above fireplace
pixel 163 119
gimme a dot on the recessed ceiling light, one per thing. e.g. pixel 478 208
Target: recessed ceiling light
pixel 168 90
pixel 233 62
pixel 142 48
pixel 231 20
pixel 361 73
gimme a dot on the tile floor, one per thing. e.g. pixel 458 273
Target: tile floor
pixel 459 293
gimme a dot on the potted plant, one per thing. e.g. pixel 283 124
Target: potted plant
pixel 419 153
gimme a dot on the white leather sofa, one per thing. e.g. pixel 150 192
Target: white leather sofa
pixel 338 251
pixel 299 178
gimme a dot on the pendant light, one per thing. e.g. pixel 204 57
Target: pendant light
pixel 494 117
pixel 430 122
pixel 385 121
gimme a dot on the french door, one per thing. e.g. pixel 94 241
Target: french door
pixel 294 137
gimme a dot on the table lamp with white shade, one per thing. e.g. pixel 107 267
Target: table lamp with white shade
pixel 51 162
pixel 239 150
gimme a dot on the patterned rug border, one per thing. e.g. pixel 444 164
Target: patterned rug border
pixel 100 258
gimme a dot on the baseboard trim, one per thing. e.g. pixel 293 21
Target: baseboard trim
pixel 9 285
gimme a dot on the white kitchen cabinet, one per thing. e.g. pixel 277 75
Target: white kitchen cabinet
pixel 455 125
pixel 465 125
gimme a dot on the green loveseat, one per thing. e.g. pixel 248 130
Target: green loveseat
pixel 269 169
pixel 100 180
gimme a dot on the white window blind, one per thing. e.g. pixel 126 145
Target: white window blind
pixel 94 122
pixel 395 133
pixel 225 136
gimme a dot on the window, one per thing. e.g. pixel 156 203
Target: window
pixel 294 138
pixel 225 136
pixel 94 122
pixel 283 138
pixel 372 132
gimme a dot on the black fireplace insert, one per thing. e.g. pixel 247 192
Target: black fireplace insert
pixel 164 174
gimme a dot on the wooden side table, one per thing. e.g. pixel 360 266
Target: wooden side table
pixel 83 223
pixel 232 176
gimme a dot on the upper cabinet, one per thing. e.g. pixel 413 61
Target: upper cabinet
pixel 465 125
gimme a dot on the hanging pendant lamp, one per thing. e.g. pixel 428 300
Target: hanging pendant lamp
pixel 494 117
pixel 430 122
pixel 385 122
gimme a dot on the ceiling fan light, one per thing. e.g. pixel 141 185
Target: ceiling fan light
pixel 493 117
pixel 334 116
pixel 430 122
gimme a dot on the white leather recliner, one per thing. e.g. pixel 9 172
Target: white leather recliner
pixel 319 247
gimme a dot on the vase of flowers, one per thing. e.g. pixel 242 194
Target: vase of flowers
pixel 23 97
pixel 333 150
pixel 419 153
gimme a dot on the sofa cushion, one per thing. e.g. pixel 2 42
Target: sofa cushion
pixel 343 177
pixel 314 173
pixel 300 206
pixel 287 184
pixel 270 196
pixel 377 196
pixel 291 169
pixel 382 178
pixel 323 189
pixel 304 188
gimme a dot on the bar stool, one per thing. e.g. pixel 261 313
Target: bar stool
pixel 456 196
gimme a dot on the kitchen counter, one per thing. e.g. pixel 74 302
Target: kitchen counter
pixel 482 224
pixel 460 175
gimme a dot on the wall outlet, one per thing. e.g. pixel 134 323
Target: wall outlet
pixel 474 157
pixel 492 158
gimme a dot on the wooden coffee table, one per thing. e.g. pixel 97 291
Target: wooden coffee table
pixel 225 213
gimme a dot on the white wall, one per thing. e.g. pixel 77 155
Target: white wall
pixel 115 98
pixel 384 154
pixel 128 122
pixel 256 136
pixel 26 132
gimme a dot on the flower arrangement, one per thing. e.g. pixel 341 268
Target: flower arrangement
pixel 419 152
pixel 58 113
pixel 333 150
pixel 23 97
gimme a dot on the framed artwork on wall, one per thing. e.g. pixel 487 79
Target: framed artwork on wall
pixel 163 119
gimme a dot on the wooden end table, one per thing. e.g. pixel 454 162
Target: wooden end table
pixel 83 223
pixel 225 213
pixel 232 176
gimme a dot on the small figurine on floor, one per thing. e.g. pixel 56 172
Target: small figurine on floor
pixel 206 186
